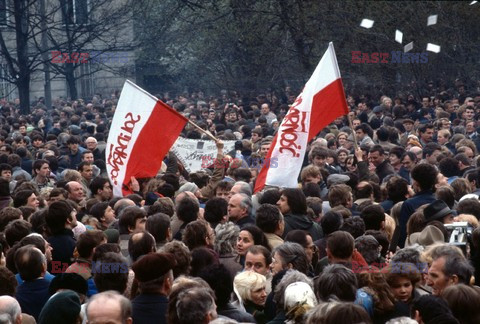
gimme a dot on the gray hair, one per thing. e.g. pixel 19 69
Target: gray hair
pixel 193 305
pixel 410 255
pixel 9 309
pixel 367 245
pixel 244 188
pixel 293 253
pixel 402 320
pixel 246 203
pixel 290 277
pixel 455 262
pixel 125 304
pixel 226 238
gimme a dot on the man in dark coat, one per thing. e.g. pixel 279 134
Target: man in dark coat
pixel 376 156
pixel 61 219
pixel 424 177
pixel 33 293
pixel 155 278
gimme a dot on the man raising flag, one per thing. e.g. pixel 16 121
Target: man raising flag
pixel 321 101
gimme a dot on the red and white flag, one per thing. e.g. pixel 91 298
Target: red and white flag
pixel 321 101
pixel 143 130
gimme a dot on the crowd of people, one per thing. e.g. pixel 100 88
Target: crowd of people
pixel 382 228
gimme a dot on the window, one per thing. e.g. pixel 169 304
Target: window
pixel 75 12
pixel 6 88
pixel 84 81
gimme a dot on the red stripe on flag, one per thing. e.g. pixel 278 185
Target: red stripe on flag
pixel 328 104
pixel 153 142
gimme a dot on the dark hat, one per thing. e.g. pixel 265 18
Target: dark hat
pixel 63 307
pixel 75 130
pixel 408 120
pixel 436 211
pixel 378 109
pixel 70 281
pixel 153 266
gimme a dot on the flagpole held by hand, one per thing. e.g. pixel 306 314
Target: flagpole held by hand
pixel 203 131
pixel 156 99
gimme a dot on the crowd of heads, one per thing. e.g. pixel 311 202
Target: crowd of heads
pixel 383 226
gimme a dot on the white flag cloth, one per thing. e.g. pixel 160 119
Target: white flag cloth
pixel 321 101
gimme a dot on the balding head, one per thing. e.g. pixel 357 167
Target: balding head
pixel 10 311
pixel 184 194
pixel 122 204
pixel 75 191
pixel 109 307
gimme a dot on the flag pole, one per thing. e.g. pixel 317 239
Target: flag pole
pixel 192 123
pixel 203 131
pixel 353 132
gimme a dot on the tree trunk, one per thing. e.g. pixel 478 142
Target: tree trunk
pixel 23 85
pixel 70 76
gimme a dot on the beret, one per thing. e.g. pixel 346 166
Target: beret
pixel 63 307
pixel 153 265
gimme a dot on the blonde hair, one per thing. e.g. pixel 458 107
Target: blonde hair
pixel 72 175
pixel 395 211
pixel 247 281
pixel 389 226
pixel 342 134
pixel 472 220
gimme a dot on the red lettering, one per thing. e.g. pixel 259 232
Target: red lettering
pixel 66 58
pixel 64 267
pixel 74 57
pixel 356 57
pixel 84 57
pixel 56 57
pixel 374 58
pixel 117 153
pixel 289 135
pixel 297 101
pixel 384 268
pixel 130 124
pixel 56 267
pixel 287 143
pixel 365 58
pixel 206 161
pixel 384 57
pixel 304 117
